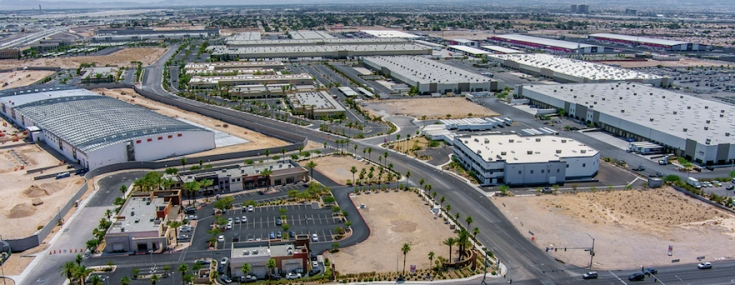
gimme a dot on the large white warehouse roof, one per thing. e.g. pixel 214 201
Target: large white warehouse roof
pixel 682 116
pixel 639 39
pixel 389 34
pixel 423 70
pixel 525 149
pixel 573 67
pixel 544 41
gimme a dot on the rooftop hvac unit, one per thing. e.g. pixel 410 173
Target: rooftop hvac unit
pixel 689 107
pixel 675 112
pixel 651 119
pixel 563 141
pixel 685 129
pixel 706 128
pixel 708 121
pixel 583 151
pixel 558 151
pixel 529 152
pixel 622 111
pixel 510 140
pixel 538 140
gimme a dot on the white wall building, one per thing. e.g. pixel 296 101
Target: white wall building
pixel 95 130
pixel 697 129
pixel 515 160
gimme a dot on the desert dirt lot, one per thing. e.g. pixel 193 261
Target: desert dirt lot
pixel 432 108
pixel 146 55
pixel 257 140
pixel 394 218
pixel 18 216
pixel 627 225
pixel 21 78
pixel 652 63
pixel 337 167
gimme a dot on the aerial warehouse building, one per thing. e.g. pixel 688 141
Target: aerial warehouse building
pixel 282 52
pixel 516 160
pixel 95 130
pixel 315 105
pixel 550 45
pixel 430 76
pixel 697 129
pixel 660 44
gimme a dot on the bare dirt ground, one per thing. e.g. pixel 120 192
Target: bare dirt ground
pixel 257 140
pixel 652 63
pixel 338 168
pixel 21 78
pixel 394 218
pixel 19 261
pixel 145 55
pixel 312 145
pixel 631 228
pixel 18 216
pixel 432 108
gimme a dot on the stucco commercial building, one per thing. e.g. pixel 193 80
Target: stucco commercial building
pixel 315 105
pixel 319 51
pixel 430 76
pixel 141 224
pixel 96 130
pixel 550 45
pixel 696 129
pixel 99 74
pixel 289 256
pixel 660 44
pixel 242 177
pixel 567 70
pixel 206 82
pixel 516 160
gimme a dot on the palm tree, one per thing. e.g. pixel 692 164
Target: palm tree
pixel 183 163
pixel 370 150
pixel 125 281
pixel 390 177
pixel 267 174
pixel 469 221
pixel 353 170
pixel 408 175
pixel 95 280
pixel 155 279
pixel 405 249
pixel 206 183
pixel 267 153
pixel 81 272
pixel 311 165
pixel 421 182
pixel 201 162
pixel 355 147
pixel 475 231
pixel 271 264
pixel 245 269
pixel 450 242
pixel 441 201
pixel 431 258
pixel 463 241
pixel 364 150
pixel 433 195
pixel 138 184
pixel 448 207
pixel 123 189
pixel 175 225
pixel 68 270
pixel 283 152
pixel 183 268
pixel 456 216
pixel 385 154
pixel 167 269
pixel 398 137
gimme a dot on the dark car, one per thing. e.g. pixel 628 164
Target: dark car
pixel 650 271
pixel 279 222
pixel 637 277
pixel 315 271
pixel 730 187
pixel 590 275
pixel 190 211
pixel 274 277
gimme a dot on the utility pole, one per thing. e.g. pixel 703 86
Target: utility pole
pixel 592 250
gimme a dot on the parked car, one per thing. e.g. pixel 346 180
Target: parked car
pixel 314 264
pixel 278 234
pixel 730 187
pixel 590 275
pixel 704 265
pixel 663 162
pixel 224 261
pixel 273 235
pixel 293 276
pixel 182 237
pixel 190 211
pixel 244 219
pixel 250 208
pixel 279 222
pixel 184 229
pixel 717 183
pixel 204 260
pixel 237 220
pixel 639 168
pixel 314 238
pixel 221 238
pixel 249 278
pixel 229 220
pixel 274 277
pixel 229 226
pixel 315 271
pixel 292 234
pixel 637 277
pixel 225 279
pixel 650 271
pixel 191 217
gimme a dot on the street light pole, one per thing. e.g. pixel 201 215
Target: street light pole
pixel 592 250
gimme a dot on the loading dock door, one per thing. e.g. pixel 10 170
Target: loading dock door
pixel 552 179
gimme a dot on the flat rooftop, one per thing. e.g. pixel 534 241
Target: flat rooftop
pixel 246 36
pixel 248 77
pixel 250 249
pixel 423 70
pixel 389 34
pixel 469 50
pixel 296 49
pixel 679 115
pixel 306 34
pixel 241 170
pixel 514 148
pixel 233 64
pixel 102 71
pixel 139 215
pixel 500 49
pixel 639 39
pixel 544 41
pixel 321 100
pixel 573 67
pixel 314 41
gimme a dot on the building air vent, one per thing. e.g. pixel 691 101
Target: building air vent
pixel 651 119
pixel 510 140
pixel 685 130
pixel 706 107
pixel 538 140
pixel 558 151
pixel 706 128
pixel 708 121
pixel 622 111
pixel 689 107
pixel 503 153
pixel 529 152
pixel 727 134
pixel 583 151
pixel 675 112
pixel 563 141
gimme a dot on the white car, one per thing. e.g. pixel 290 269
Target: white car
pixel 250 208
pixel 221 238
pixel 704 265
pixel 293 276
pixel 191 217
pixel 229 226
pixel 229 220
pixel 314 238
pixel 185 229
pixel 244 219
pixel 717 183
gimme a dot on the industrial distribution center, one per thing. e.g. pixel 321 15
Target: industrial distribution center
pixel 429 76
pixel 236 65
pixel 205 82
pixel 95 130
pixel 321 51
pixel 500 50
pixel 662 44
pixel 550 45
pixel 315 105
pixel 313 42
pixel 694 128
pixel 389 34
pixel 150 34
pixel 569 70
pixel 514 160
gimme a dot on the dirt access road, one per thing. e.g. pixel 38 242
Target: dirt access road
pixel 22 78
pixel 628 225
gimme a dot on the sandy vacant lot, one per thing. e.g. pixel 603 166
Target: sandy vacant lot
pixel 21 78
pixel 18 216
pixel 653 63
pixel 338 167
pixel 433 108
pixel 145 55
pixel 394 218
pixel 631 228
pixel 257 140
